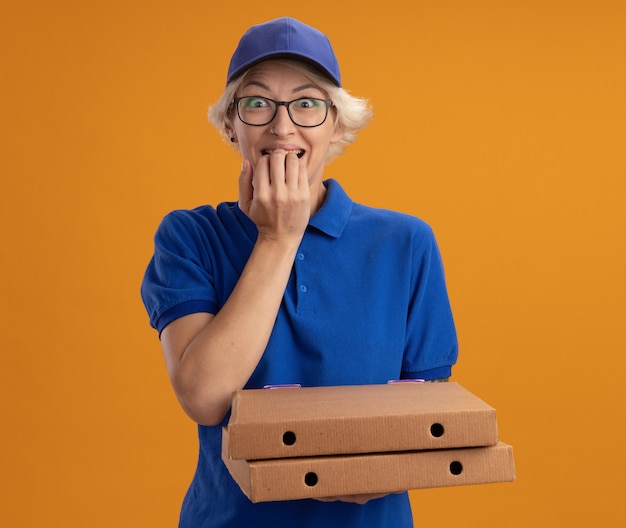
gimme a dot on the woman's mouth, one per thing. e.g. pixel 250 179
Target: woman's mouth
pixel 267 152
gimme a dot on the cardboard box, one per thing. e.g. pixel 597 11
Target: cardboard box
pixel 331 476
pixel 297 422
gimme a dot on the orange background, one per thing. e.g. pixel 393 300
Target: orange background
pixel 501 123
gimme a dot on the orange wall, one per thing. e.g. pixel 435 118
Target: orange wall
pixel 501 123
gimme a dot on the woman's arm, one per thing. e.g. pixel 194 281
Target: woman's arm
pixel 210 356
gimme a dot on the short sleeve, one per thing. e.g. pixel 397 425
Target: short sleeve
pixel 179 278
pixel 431 342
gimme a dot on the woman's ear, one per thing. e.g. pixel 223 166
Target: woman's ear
pixel 337 134
pixel 339 130
pixel 229 131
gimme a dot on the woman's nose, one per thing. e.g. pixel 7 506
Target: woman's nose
pixel 282 125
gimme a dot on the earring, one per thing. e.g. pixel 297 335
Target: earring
pixel 233 140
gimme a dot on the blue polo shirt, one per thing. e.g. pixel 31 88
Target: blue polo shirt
pixel 366 302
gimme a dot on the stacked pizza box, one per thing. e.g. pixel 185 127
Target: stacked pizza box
pixel 295 443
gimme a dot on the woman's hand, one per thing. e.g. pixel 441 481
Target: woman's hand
pixel 275 195
pixel 359 499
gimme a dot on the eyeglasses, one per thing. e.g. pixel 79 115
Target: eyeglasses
pixel 305 112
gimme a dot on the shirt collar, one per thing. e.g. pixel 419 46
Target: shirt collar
pixel 330 219
pixel 333 216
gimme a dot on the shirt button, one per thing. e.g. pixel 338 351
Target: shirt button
pixel 301 256
pixel 303 289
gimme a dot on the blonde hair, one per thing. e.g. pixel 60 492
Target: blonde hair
pixel 352 114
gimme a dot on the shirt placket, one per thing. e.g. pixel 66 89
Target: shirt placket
pixel 304 281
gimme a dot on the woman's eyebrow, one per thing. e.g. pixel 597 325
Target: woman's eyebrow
pixel 255 83
pixel 306 87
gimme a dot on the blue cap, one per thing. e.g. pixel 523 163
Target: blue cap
pixel 285 38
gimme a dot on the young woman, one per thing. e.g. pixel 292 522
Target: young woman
pixel 294 282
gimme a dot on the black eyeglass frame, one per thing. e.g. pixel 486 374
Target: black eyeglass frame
pixel 286 104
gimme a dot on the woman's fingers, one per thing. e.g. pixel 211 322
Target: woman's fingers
pixel 246 190
pixel 280 202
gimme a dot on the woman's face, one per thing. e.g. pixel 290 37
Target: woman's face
pixel 278 81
